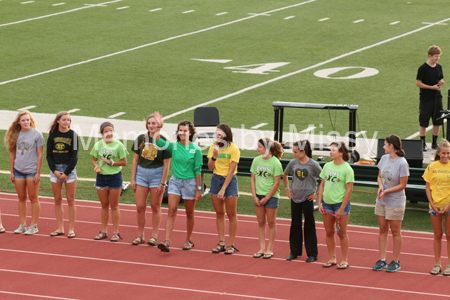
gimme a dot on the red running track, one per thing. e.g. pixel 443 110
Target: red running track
pixel 41 266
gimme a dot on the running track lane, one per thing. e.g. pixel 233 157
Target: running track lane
pixel 82 268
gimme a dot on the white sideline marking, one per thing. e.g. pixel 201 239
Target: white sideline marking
pixel 26 2
pixel 393 23
pixel 417 133
pixel 220 61
pixel 324 19
pixel 73 110
pixel 259 125
pixel 358 21
pixel 149 44
pixel 290 17
pixel 188 11
pixel 34 295
pixel 57 4
pixel 138 284
pixel 27 107
pixel 432 23
pixel 308 129
pixel 123 7
pixel 59 13
pixel 300 71
pixel 222 13
pixel 116 115
pixel 155 9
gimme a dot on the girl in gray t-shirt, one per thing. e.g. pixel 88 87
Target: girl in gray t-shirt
pixel 26 148
pixel 302 192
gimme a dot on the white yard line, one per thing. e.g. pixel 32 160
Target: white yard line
pixel 73 110
pixel 155 9
pixel 116 115
pixel 259 125
pixel 150 44
pixel 222 13
pixel 59 13
pixel 123 7
pixel 324 19
pixel 301 70
pixel 393 23
pixel 358 21
pixel 27 107
pixel 58 4
pixel 188 11
pixel 290 17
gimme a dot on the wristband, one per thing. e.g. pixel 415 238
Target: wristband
pixel 111 162
pixel 286 188
pixel 213 159
pixel 163 184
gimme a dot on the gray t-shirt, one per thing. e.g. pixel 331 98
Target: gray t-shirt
pixel 304 178
pixel 391 171
pixel 26 154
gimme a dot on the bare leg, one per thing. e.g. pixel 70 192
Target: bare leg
pixel 190 220
pixel 114 197
pixel 59 211
pixel 438 232
pixel 344 240
pixel 329 222
pixel 155 203
pixel 261 217
pixel 140 197
pixel 70 195
pixel 271 221
pixel 219 207
pixel 396 226
pixel 174 200
pixel 21 189
pixel 231 207
pixel 383 236
pixel 33 191
pixel 103 196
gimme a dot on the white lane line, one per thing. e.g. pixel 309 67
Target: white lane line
pixel 358 21
pixel 324 19
pixel 73 110
pixel 58 4
pixel 150 44
pixel 59 13
pixel 222 13
pixel 259 125
pixel 116 115
pixel 393 23
pixel 417 133
pixel 123 7
pixel 290 17
pixel 34 295
pixel 300 71
pixel 26 2
pixel 27 107
pixel 188 11
pixel 140 284
pixel 155 9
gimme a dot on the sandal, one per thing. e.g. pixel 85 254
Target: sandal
pixel 102 235
pixel 56 233
pixel 268 256
pixel 258 254
pixel 71 235
pixel 188 245
pixel 446 272
pixel 231 249
pixel 343 266
pixel 164 247
pixel 2 230
pixel 115 237
pixel 437 269
pixel 219 248
pixel 329 264
pixel 138 240
pixel 152 241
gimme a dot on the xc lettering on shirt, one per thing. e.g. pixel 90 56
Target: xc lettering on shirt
pixel 332 177
pixel 263 173
pixel 108 154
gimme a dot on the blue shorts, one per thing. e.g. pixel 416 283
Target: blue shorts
pixel 434 214
pixel 333 208
pixel 271 203
pixel 61 167
pixel 109 181
pixel 185 188
pixel 217 182
pixel 149 177
pixel 20 175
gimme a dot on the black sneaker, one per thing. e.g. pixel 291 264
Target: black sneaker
pixel 425 148
pixel 394 266
pixel 434 146
pixel 380 265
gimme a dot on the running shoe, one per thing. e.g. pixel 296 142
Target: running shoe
pixel 32 230
pixel 22 228
pixel 380 265
pixel 394 266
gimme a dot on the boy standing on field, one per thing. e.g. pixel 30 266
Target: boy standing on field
pixel 429 80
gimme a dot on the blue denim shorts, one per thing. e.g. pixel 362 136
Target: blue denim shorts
pixel 185 188
pixel 149 177
pixel 333 208
pixel 109 181
pixel 434 214
pixel 19 175
pixel 217 182
pixel 271 203
pixel 61 167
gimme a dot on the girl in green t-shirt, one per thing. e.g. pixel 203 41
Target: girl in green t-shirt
pixel 334 201
pixel 108 157
pixel 266 176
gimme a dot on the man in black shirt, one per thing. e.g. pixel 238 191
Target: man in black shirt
pixel 429 80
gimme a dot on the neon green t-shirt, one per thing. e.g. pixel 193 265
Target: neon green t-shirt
pixel 265 172
pixel 115 151
pixel 336 177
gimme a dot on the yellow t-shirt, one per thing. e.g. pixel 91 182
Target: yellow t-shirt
pixel 224 159
pixel 438 176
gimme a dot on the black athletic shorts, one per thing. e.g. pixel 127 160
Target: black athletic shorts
pixel 429 108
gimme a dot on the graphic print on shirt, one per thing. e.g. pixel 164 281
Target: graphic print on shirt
pixel 301 174
pixel 106 153
pixel 150 151
pixel 60 144
pixel 263 173
pixel 386 176
pixel 23 148
pixel 332 177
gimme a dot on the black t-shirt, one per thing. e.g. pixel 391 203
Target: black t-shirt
pixel 430 76
pixel 62 148
pixel 151 156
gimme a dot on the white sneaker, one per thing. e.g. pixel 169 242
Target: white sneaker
pixel 32 230
pixel 22 228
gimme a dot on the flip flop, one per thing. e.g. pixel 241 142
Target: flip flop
pixel 56 233
pixel 2 230
pixel 71 235
pixel 343 266
pixel 258 255
pixel 329 264
pixel 268 256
